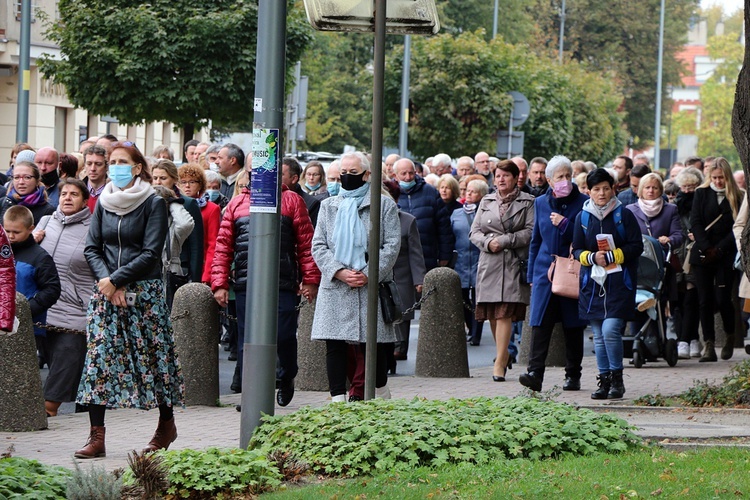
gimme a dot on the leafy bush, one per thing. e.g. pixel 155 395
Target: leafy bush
pixel 347 439
pixel 734 390
pixel 217 473
pixel 94 483
pixel 24 478
pixel 651 400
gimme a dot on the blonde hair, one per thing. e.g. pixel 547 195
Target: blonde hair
pixel 452 184
pixel 653 176
pixel 733 192
pixel 243 175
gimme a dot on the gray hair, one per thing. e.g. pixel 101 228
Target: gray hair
pixel 363 161
pixel 689 174
pixel 590 165
pixel 441 159
pixel 480 186
pixel 214 148
pixel 556 162
pixel 403 162
pixel 234 151
pixel 212 176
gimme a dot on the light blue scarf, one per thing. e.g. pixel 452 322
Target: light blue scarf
pixel 349 234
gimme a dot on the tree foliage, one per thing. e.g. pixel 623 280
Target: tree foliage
pixel 459 100
pixel 515 18
pixel 621 39
pixel 183 61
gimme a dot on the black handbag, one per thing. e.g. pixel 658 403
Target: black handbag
pixel 390 302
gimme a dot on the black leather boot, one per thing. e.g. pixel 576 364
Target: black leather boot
pixel 604 384
pixel 617 386
pixel 532 380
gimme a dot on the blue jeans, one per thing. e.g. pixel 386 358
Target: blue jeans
pixel 515 338
pixel 608 343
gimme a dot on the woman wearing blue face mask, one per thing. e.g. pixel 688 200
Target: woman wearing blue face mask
pixel 131 360
pixel 315 180
pixel 213 189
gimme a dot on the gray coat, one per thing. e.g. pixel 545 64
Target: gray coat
pixel 341 311
pixel 65 239
pixel 499 274
pixel 409 270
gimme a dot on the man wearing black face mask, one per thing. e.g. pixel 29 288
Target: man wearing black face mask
pixel 291 171
pixel 47 160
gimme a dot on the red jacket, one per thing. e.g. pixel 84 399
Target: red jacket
pixel 297 264
pixel 211 215
pixel 8 284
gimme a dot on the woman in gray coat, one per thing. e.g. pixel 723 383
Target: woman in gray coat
pixel 63 236
pixel 502 231
pixel 339 248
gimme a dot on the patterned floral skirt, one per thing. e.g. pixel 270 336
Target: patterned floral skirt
pixel 131 360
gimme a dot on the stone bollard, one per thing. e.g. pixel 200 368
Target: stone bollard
pixel 311 354
pixel 195 319
pixel 556 354
pixel 21 396
pixel 441 350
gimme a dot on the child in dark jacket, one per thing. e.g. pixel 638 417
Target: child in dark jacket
pixel 36 274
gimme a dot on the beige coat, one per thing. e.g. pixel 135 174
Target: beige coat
pixel 739 225
pixel 499 275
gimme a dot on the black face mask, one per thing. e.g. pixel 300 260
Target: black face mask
pixel 350 182
pixel 50 178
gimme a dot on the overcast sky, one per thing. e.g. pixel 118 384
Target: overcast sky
pixel 730 6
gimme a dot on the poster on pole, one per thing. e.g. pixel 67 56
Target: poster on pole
pixel 264 187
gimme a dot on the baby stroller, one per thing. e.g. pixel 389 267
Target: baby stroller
pixel 650 341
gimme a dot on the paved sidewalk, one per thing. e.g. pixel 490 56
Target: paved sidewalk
pixel 202 426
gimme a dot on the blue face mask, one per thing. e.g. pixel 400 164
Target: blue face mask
pixel 213 194
pixel 121 175
pixel 407 185
pixel 333 188
pixel 313 188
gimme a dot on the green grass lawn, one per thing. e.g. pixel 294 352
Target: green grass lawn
pixel 646 473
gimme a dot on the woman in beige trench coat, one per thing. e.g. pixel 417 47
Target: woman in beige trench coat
pixel 502 231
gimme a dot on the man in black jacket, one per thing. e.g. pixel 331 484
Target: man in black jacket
pixel 291 172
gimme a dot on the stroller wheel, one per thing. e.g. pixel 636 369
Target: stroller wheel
pixel 637 358
pixel 670 352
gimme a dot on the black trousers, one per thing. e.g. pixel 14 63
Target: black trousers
pixel 714 291
pixel 541 336
pixel 690 317
pixel 336 365
pixel 473 326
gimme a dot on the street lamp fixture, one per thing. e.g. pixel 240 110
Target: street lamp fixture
pixel 404 17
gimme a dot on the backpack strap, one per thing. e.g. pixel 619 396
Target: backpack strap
pixel 617 214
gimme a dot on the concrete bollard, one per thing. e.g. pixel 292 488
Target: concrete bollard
pixel 556 354
pixel 311 354
pixel 441 350
pixel 195 320
pixel 21 396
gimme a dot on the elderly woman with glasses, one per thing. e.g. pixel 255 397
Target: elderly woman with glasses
pixel 315 180
pixel 193 184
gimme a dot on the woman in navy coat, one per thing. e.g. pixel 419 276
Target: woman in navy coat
pixel 553 234
pixel 607 300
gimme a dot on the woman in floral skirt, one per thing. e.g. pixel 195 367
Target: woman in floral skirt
pixel 131 361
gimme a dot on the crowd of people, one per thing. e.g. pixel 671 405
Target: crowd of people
pixel 102 239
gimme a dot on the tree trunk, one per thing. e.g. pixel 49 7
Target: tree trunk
pixel 188 131
pixel 741 126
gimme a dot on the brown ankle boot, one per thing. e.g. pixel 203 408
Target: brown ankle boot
pixel 94 446
pixel 709 353
pixel 166 433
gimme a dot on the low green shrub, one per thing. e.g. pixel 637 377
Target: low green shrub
pixel 218 473
pixel 24 478
pixel 362 438
pixel 651 400
pixel 93 483
pixel 734 390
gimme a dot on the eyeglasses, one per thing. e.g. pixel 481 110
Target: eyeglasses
pixel 189 183
pixel 23 177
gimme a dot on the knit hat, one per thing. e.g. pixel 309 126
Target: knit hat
pixel 26 155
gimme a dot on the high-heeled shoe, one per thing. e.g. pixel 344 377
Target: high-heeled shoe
pixel 498 378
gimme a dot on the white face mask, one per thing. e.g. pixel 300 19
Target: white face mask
pixel 599 274
pixel 213 167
